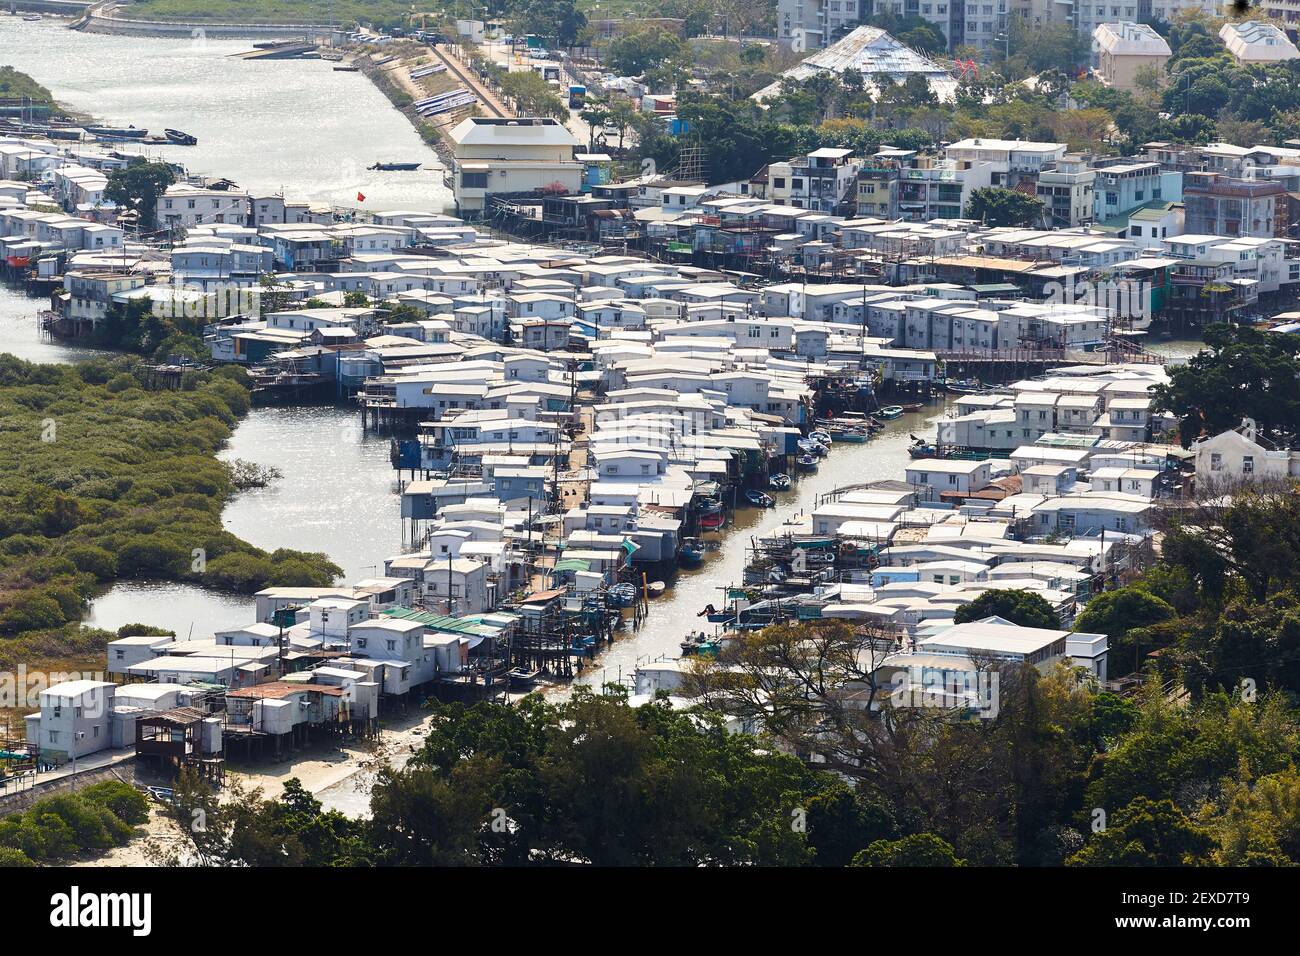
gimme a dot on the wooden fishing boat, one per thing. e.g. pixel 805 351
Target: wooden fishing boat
pixel 890 412
pixel 714 521
pixel 691 552
pixel 523 677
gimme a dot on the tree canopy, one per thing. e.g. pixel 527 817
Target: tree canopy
pixel 1018 606
pixel 138 187
pixel 1243 373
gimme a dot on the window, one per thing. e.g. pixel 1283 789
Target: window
pixel 473 180
pixel 392 645
pixel 1216 462
pixel 1248 464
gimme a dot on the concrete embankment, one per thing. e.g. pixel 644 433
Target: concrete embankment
pixel 390 71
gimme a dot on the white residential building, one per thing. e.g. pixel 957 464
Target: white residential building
pixel 492 156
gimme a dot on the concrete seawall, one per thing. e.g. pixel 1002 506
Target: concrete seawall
pixel 17 801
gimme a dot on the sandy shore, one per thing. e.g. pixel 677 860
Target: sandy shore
pixel 318 769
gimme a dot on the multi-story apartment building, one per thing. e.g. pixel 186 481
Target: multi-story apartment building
pixel 185 206
pixel 1257 42
pixel 822 180
pixel 86 297
pixel 939 189
pixel 1219 206
pixel 812 24
pixel 1122 50
pixel 1125 184
pixel 522 155
pixel 1010 160
pixel 1066 189
pixel 878 190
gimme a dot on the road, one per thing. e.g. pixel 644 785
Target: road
pixel 502 54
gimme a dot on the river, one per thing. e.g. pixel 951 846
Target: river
pixel 295 127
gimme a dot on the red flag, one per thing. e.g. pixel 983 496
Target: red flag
pixel 361 197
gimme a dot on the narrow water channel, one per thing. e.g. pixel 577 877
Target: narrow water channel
pixel 674 615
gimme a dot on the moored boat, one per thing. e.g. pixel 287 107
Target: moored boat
pixel 853 436
pixel 822 436
pixel 691 551
pixel 759 499
pixel 714 521
pixel 779 482
pixel 621 595
pixel 118 132
pixel 394 167
pixel 180 138
pixel 890 412
pixel 523 677
pixel 807 462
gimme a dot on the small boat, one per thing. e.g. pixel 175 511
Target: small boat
pixel 699 644
pixel 32 18
pixel 691 552
pixel 922 449
pixel 914 407
pixel 890 412
pixel 759 499
pixel 394 167
pixel 822 436
pixel 179 138
pixel 962 386
pixel 621 595
pixel 811 446
pixel 710 506
pixel 779 482
pixel 854 436
pixel 712 522
pixel 523 677
pixel 118 132
pixel 807 462
pixel 655 589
